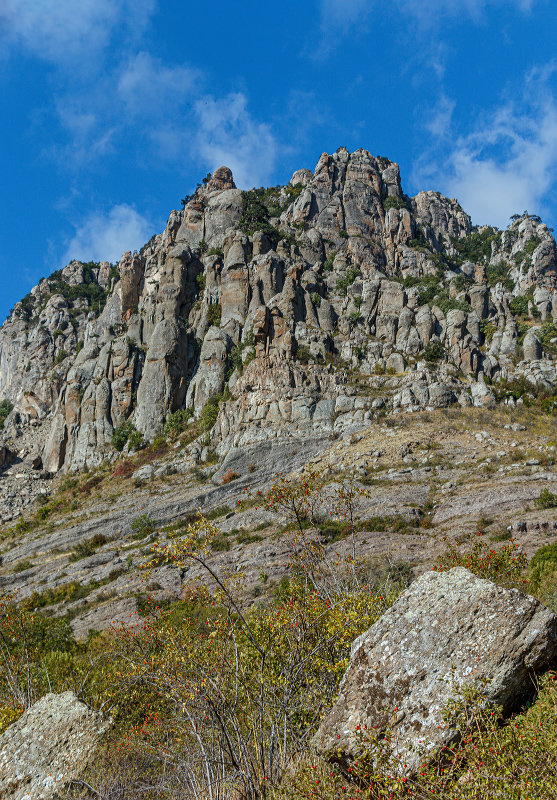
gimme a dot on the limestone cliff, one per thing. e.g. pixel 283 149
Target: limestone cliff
pixel 306 309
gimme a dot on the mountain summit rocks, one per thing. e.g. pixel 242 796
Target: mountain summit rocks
pixel 307 309
pixel 448 630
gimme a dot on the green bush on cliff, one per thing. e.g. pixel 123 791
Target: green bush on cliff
pixel 6 407
pixel 391 201
pixel 343 283
pixel 121 434
pixel 215 314
pixel 255 216
pixel 209 413
pixel 433 351
pixel 476 246
pixel 177 422
pixel 89 290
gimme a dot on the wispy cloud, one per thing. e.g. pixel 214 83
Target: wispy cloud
pixel 439 119
pixel 228 134
pixel 431 13
pixel 506 163
pixel 105 236
pixel 145 84
pixel 344 14
pixel 62 31
pixel 184 123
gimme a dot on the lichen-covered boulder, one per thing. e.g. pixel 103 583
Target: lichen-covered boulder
pixel 447 630
pixel 49 745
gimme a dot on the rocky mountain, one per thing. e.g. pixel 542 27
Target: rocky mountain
pixel 296 312
pixel 397 367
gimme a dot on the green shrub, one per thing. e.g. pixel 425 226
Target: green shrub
pixel 316 299
pixel 215 251
pixel 477 246
pixel 462 282
pixel 343 283
pixel 200 280
pixel 546 499
pixel 396 202
pixel 6 406
pixel 121 435
pixel 504 566
pixel 428 287
pixel 209 413
pixel 215 314
pixel 545 556
pixel 61 355
pixel 531 245
pixel 328 263
pixel 21 566
pixel 142 525
pixel 548 331
pixel 256 214
pixel 88 547
pixel 519 306
pixel 216 513
pixel 220 544
pixel 488 329
pixel 66 592
pixel 236 358
pixel 419 241
pixel 433 351
pixel 90 290
pixel 446 304
pixel 499 273
pixel 177 422
pixel 303 354
pixel 136 441
pixel 543 575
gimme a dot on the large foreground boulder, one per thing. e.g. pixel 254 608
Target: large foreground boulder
pixel 48 746
pixel 447 630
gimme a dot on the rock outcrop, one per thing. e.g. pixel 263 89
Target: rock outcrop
pixel 49 745
pixel 448 630
pixel 308 308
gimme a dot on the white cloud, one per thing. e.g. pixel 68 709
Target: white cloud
pixel 146 84
pixel 344 14
pixel 105 237
pixel 439 119
pixel 65 30
pixel 506 164
pixel 431 12
pixel 228 136
pixel 91 132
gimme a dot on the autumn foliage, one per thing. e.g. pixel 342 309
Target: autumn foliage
pixel 216 697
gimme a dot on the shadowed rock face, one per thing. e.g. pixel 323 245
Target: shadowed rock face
pixel 50 744
pixel 334 283
pixel 446 631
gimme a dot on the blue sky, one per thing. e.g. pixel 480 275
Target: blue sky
pixel 112 110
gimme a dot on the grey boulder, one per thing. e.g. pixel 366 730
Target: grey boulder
pixel 49 745
pixel 447 630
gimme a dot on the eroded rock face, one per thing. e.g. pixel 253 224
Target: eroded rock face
pixel 339 283
pixel 447 630
pixel 50 744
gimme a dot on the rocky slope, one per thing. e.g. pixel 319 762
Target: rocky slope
pixel 426 476
pixel 296 312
